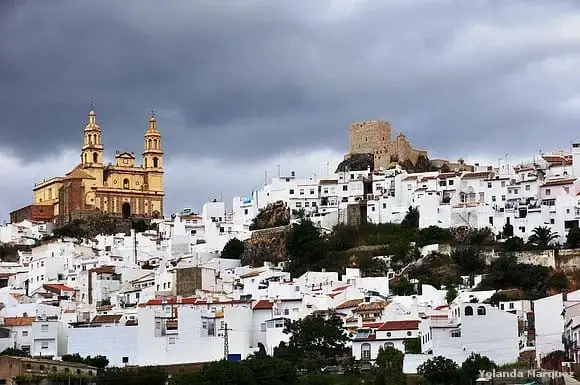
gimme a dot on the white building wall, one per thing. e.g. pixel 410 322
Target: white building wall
pixel 114 342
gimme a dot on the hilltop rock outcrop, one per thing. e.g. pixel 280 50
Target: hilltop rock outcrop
pixel 273 215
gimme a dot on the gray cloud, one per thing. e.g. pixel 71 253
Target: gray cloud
pixel 246 80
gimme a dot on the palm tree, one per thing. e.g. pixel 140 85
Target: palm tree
pixel 542 236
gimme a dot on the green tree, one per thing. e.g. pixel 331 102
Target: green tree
pixel 423 164
pixel 8 253
pixel 471 367
pixel 233 249
pixel 439 370
pixel 389 367
pixel 150 375
pixel 479 237
pixel 468 260
pixel 412 345
pixel 403 287
pixel 451 294
pixel 305 248
pixel 513 244
pixel 315 342
pixel 573 238
pixel 14 352
pixel 433 235
pixel 445 168
pixel 542 237
pixel 411 219
pixel 508 230
pixel 558 281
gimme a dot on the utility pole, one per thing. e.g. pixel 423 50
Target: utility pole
pixel 226 341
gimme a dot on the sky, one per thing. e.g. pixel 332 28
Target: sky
pixel 242 88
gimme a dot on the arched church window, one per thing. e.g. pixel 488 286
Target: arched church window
pixel 145 162
pixel 125 183
pixel 149 144
pixel 155 162
pixel 86 159
pixel 95 157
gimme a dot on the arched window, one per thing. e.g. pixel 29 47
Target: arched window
pixel 149 144
pixel 95 157
pixel 468 310
pixel 481 310
pixel 145 162
pixel 125 183
pixel 86 159
pixel 389 345
pixel 155 162
pixel 365 351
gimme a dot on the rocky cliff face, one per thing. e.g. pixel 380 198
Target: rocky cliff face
pixel 266 245
pixel 273 215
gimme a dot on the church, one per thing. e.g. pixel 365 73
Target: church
pixel 123 188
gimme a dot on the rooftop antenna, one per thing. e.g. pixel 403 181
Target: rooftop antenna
pixel 327 170
pixel 278 171
pixel 92 105
pixel 265 177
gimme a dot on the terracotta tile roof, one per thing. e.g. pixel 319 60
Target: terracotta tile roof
pixel 107 319
pixel 328 181
pixel 263 304
pixel 103 270
pixel 399 325
pixel 18 321
pixel 559 182
pixel 57 288
pixel 350 303
pixel 441 307
pixel 368 306
pixel 351 319
pixel 477 175
pixel 410 177
pixel 558 159
pixel 447 175
pixel 372 325
pixel 340 288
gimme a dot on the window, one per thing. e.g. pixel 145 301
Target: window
pixel 451 182
pixel 468 310
pixel 442 183
pixel 286 311
pixel 306 204
pixel 311 191
pixel 511 305
pixel 301 191
pixel 291 191
pixel 503 183
pixel 481 310
pixel 493 198
pixel 527 187
pixel 409 334
pixel 171 340
pixel 388 334
pixel 313 204
pixel 488 184
pixel 155 162
pixel 44 328
pixel 125 183
pixel 501 307
pixel 95 157
pixel 245 211
pixel 548 191
pixel 389 345
pixel 44 345
pixel 263 327
pixel 24 333
pixel 365 351
pixel 552 221
pixel 456 333
pixel 503 198
pixel 345 187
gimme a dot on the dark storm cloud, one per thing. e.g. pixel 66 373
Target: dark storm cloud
pixel 244 79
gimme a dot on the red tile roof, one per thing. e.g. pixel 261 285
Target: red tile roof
pixel 399 325
pixel 18 321
pixel 372 325
pixel 476 175
pixel 107 319
pixel 559 182
pixel 188 301
pixel 340 288
pixel 57 287
pixel 263 304
pixel 350 303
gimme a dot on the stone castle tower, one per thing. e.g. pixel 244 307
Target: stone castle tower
pixel 375 137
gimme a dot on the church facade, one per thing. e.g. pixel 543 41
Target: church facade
pixel 123 188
